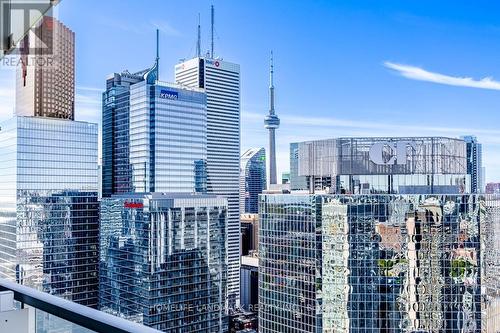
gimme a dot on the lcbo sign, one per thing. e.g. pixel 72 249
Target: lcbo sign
pixel 397 155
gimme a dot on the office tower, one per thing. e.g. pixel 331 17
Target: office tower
pixel 402 165
pixel 154 135
pixel 45 85
pixel 249 283
pixel 475 163
pixel 163 260
pixel 379 263
pixel 272 122
pixel 221 81
pixel 48 206
pixel 168 143
pixel 249 233
pixel 252 179
pixel 116 169
pixel 296 182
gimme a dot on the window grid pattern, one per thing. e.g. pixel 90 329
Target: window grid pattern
pixel 379 263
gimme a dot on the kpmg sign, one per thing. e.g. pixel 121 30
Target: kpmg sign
pixel 169 94
pixel 396 152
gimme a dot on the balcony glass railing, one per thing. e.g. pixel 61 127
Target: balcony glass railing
pixel 26 310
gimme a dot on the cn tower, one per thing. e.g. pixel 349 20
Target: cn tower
pixel 272 122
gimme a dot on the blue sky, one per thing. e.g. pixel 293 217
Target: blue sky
pixel 342 68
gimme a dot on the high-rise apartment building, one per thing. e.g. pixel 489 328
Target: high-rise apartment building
pixel 49 211
pixel 252 179
pixel 163 260
pixel 221 81
pixel 46 77
pixel 475 163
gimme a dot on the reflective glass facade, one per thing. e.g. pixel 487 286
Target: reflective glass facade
pixel 163 260
pixel 379 263
pixel 221 81
pixel 475 164
pixel 168 138
pixel 296 182
pixel 48 206
pixel 252 179
pixel 116 169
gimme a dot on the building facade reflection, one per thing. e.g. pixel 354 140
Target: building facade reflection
pixel 48 206
pixel 379 263
pixel 163 260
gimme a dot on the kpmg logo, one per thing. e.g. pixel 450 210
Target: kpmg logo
pixel 168 94
pixel 397 152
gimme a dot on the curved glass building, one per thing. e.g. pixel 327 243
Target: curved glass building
pixel 252 179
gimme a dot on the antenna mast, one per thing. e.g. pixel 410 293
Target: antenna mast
pixel 198 43
pixel 157 54
pixel 212 31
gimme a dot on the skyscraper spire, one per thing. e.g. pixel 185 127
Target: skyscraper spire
pixel 198 42
pixel 158 54
pixel 153 74
pixel 212 15
pixel 272 122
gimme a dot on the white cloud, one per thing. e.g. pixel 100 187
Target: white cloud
pixel 166 28
pixel 420 74
pixel 85 88
pixel 141 28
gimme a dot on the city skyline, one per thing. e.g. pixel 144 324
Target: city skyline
pixel 143 175
pixel 387 54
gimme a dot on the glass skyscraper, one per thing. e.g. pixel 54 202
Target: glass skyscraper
pixel 221 81
pixel 379 263
pixel 296 182
pixel 168 138
pixel 387 240
pixel 48 206
pixel 154 136
pixel 163 260
pixel 252 179
pixel 116 169
pixel 475 164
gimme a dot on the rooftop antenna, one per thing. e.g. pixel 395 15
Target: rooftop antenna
pixel 198 43
pixel 212 31
pixel 158 54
